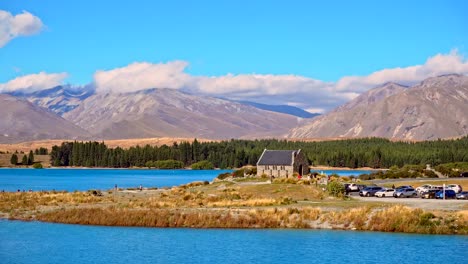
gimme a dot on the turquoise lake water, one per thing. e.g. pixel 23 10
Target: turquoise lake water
pixel 35 242
pixel 104 179
pixel 344 172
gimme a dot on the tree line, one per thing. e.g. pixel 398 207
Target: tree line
pixel 353 153
pixel 26 160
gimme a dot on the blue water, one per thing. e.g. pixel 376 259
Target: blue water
pixel 344 172
pixel 103 179
pixel 35 242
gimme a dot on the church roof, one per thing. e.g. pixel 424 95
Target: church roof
pixel 277 157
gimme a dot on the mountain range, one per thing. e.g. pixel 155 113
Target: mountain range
pixel 22 120
pixel 435 108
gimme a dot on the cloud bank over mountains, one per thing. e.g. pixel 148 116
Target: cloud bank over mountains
pixel 34 82
pixel 307 93
pixel 12 26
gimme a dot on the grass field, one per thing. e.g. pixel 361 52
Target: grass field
pixel 5 159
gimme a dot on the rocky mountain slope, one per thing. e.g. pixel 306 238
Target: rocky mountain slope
pixel 59 99
pixel 435 108
pixel 167 112
pixel 21 121
pixel 372 96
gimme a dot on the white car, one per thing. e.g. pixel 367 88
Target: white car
pixel 385 193
pixel 457 188
pixel 423 188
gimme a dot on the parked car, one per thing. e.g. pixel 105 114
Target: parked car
pixel 354 187
pixel 457 188
pixel 423 188
pixel 405 192
pixel 403 187
pixel 449 194
pixel 385 193
pixel 464 174
pixel 369 191
pixel 429 194
pixel 462 195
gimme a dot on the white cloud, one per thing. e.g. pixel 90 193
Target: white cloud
pixel 434 66
pixel 270 89
pixel 142 75
pixel 24 24
pixel 33 82
pixel 307 93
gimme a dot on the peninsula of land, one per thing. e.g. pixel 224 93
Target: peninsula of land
pixel 239 203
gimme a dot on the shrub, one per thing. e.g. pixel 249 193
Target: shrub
pixel 203 165
pixel 37 166
pixel 223 176
pixel 149 164
pixel 238 173
pixel 335 188
pixel 169 164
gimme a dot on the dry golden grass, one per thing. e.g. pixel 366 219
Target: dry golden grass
pixel 5 159
pixel 123 143
pixel 403 219
pixel 253 218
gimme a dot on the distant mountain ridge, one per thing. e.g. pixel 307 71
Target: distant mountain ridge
pixel 169 112
pixel 435 108
pixel 285 109
pixel 59 99
pixel 24 121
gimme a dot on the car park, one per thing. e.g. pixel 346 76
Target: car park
pixel 369 191
pixel 405 192
pixel 462 195
pixel 449 194
pixel 457 188
pixel 385 193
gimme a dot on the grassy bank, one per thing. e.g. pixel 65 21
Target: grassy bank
pixel 229 205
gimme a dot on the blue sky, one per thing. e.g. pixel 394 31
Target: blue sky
pixel 323 41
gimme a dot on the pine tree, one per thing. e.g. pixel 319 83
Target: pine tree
pixel 30 158
pixel 14 159
pixel 24 161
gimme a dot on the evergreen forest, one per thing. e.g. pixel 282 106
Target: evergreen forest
pixel 352 153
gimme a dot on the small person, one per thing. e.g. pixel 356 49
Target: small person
pixel 141 188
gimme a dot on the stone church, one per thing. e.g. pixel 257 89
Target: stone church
pixel 282 163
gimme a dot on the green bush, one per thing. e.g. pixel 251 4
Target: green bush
pixel 203 165
pixel 37 166
pixel 150 164
pixel 335 188
pixel 238 173
pixel 169 164
pixel 223 176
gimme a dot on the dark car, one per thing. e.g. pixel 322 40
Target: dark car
pixel 449 194
pixel 462 195
pixel 369 191
pixel 430 194
pixel 464 174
